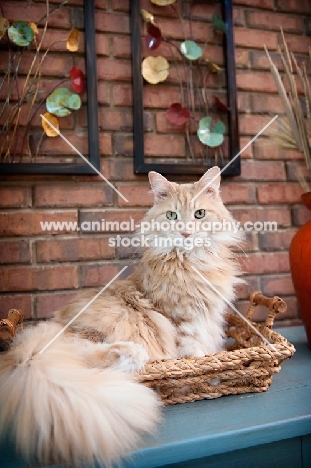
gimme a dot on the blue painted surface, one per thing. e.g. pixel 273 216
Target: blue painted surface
pixel 213 427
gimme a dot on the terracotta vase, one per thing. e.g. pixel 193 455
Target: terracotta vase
pixel 300 262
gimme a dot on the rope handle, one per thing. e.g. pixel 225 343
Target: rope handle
pixel 274 305
pixel 15 317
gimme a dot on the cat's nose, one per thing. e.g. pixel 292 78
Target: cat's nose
pixel 186 234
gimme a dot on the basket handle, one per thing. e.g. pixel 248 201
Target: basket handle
pixel 274 305
pixel 15 317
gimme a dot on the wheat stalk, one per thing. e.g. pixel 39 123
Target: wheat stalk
pixel 294 132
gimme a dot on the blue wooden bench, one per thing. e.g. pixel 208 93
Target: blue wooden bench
pixel 264 430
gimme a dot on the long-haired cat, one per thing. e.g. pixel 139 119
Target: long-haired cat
pixel 77 402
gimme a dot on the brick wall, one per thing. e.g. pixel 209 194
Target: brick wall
pixel 44 270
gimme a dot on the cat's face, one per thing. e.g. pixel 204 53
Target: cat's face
pixel 187 217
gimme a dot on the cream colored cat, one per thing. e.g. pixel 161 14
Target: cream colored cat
pixel 77 402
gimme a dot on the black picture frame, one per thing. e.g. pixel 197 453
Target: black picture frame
pixel 92 115
pixel 142 167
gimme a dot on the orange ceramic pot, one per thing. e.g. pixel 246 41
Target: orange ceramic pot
pixel 300 262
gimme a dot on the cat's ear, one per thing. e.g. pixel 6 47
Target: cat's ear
pixel 210 182
pixel 160 186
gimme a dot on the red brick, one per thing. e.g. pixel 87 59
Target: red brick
pixel 15 252
pixel 72 2
pixel 267 4
pixel 122 95
pixel 200 30
pixel 238 16
pixel 267 149
pixel 137 195
pixel 279 193
pixel 252 124
pixel 128 252
pixel 243 102
pixel 59 45
pixel 248 152
pixel 301 215
pixel 102 44
pixel 296 170
pixel 47 304
pixel 122 169
pixel 120 5
pixel 262 171
pixel 243 290
pixel 104 167
pixel 120 216
pixel 169 52
pixel 274 21
pixel 267 103
pixel 280 215
pixel 100 4
pixel 27 223
pixel 39 279
pixel 272 286
pixel 67 123
pixel 70 250
pixel 54 64
pixel 114 70
pixel 165 146
pixel 164 126
pixel 279 240
pixel 293 6
pixel 58 146
pixel 121 46
pixel 255 81
pixel 16 301
pixel 254 38
pixel 156 10
pixel 99 274
pixel 160 97
pixel 261 263
pixel 237 193
pixel 241 58
pixel 12 196
pixel 259 59
pixel 72 195
pixel 12 11
pixel 124 145
pixel 103 93
pixel 105 147
pixel 250 244
pixel 197 11
pixel 120 120
pixel 299 43
pixel 112 22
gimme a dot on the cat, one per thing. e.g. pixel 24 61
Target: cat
pixel 77 401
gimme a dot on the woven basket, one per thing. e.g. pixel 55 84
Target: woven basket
pixel 247 366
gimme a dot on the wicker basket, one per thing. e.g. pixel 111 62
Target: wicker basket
pixel 247 366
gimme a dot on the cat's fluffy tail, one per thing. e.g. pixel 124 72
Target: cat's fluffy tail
pixel 60 411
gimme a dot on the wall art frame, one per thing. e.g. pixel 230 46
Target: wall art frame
pixel 82 168
pixel 192 168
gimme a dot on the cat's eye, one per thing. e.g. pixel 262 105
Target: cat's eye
pixel 171 215
pixel 199 214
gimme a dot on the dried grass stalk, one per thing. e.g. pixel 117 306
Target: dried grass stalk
pixel 295 133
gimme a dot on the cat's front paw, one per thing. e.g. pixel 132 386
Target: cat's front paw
pixel 127 356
